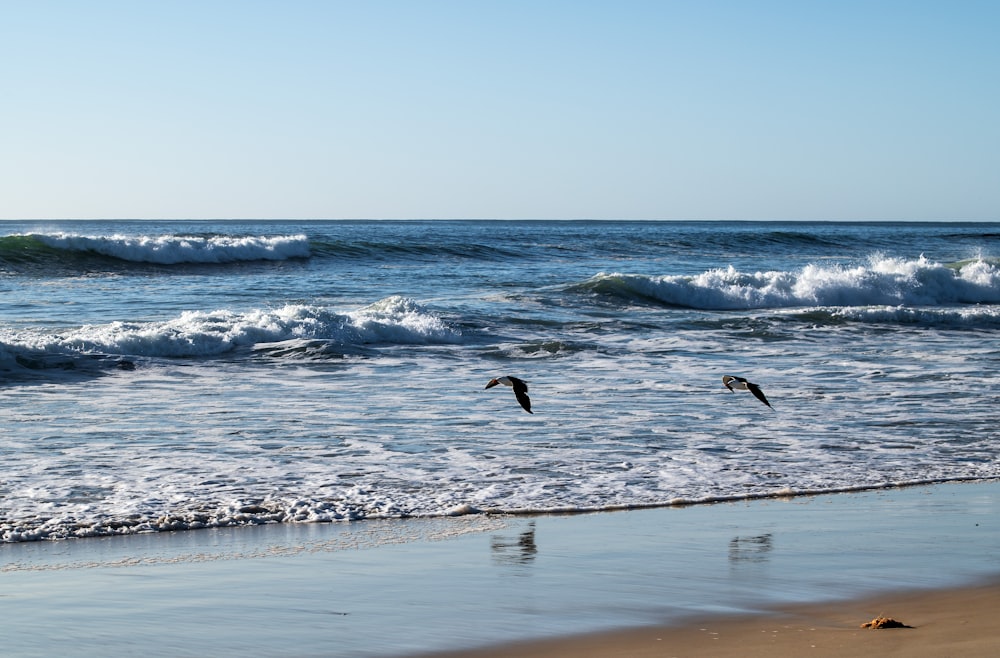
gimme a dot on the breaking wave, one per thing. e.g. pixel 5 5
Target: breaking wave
pixel 390 321
pixel 879 282
pixel 42 248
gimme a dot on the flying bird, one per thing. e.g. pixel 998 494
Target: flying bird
pixel 740 384
pixel 520 390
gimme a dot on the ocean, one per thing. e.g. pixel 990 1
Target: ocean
pixel 189 374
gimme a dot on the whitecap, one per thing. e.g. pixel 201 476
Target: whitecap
pixel 175 249
pixel 880 281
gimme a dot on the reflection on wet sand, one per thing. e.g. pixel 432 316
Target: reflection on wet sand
pixel 515 550
pixel 750 549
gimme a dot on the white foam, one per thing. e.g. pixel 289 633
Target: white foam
pixel 973 317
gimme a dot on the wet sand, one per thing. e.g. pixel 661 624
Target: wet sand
pixel 949 622
pixel 745 578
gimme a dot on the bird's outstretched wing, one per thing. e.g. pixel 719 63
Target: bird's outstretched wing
pixel 757 393
pixel 521 393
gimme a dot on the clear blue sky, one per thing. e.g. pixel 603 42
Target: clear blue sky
pixel 749 109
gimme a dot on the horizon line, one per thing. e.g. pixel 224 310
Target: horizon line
pixel 476 219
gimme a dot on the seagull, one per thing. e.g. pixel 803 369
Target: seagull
pixel 740 384
pixel 520 390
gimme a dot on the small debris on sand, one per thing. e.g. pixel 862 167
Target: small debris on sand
pixel 884 622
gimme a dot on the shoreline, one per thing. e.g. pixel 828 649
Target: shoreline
pixel 939 622
pixel 465 585
pixel 176 525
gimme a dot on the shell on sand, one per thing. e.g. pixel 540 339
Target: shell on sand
pixel 884 622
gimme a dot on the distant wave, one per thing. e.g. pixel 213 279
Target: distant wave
pixel 37 248
pixel 394 250
pixel 52 252
pixel 390 321
pixel 879 282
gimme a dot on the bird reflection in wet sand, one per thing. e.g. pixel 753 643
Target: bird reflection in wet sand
pixel 508 550
pixel 750 549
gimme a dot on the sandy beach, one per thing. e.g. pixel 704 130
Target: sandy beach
pixel 947 622
pixel 765 577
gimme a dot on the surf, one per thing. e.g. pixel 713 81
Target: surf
pixel 882 281
pixel 394 320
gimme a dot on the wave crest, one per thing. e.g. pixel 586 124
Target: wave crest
pixel 178 249
pixel 390 321
pixel 880 282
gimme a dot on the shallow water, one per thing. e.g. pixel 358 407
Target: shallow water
pixel 390 588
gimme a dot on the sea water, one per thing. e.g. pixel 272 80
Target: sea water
pixel 189 374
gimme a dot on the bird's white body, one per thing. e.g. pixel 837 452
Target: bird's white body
pixel 741 384
pixel 520 390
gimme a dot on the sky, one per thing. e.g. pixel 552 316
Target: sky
pixel 624 109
